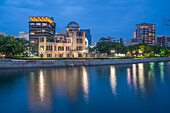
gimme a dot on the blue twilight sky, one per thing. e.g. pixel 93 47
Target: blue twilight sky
pixel 116 18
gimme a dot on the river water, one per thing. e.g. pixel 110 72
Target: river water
pixel 134 88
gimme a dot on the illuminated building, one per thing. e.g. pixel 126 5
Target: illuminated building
pixel 163 41
pixel 145 33
pixel 72 44
pixel 40 27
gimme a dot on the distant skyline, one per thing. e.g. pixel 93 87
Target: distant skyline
pixel 115 18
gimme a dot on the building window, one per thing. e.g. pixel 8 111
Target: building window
pixel 38 24
pixel 68 40
pixel 60 55
pixel 60 48
pixel 32 33
pixel 79 41
pixel 54 48
pixel 49 48
pixel 44 24
pixel 55 55
pixel 68 55
pixel 32 24
pixel 57 41
pixel 85 42
pixel 41 48
pixel 41 39
pixel 49 55
pixel 79 48
pixel 68 48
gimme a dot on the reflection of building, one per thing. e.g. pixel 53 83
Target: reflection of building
pixel 23 35
pixel 145 33
pixel 163 41
pixel 87 35
pixel 40 27
pixel 72 44
pixel 40 94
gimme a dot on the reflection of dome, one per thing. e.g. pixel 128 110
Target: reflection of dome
pixel 73 25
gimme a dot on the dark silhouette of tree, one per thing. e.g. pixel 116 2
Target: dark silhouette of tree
pixel 166 21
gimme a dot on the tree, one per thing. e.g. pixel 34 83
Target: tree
pixel 107 46
pixel 11 46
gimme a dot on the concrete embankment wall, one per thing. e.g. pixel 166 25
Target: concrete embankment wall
pixel 64 63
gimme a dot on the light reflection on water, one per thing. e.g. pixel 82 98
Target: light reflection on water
pixel 72 87
pixel 85 84
pixel 113 79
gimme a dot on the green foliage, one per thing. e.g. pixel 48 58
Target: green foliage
pixel 11 46
pixel 148 50
pixel 107 46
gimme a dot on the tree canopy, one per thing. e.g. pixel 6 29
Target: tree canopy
pixel 11 46
pixel 107 46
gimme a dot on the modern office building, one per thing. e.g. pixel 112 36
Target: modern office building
pixel 72 44
pixel 145 32
pixel 88 35
pixel 163 41
pixel 40 27
pixel 23 35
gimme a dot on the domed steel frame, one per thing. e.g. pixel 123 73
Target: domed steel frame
pixel 73 25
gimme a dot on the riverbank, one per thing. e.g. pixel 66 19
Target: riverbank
pixel 13 63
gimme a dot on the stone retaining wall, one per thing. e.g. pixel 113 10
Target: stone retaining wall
pixel 11 63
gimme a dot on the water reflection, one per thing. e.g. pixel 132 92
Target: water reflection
pixel 41 86
pixel 128 77
pixel 134 76
pixel 113 79
pixel 47 89
pixel 141 76
pixel 151 72
pixel 85 83
pixel 39 92
pixel 162 71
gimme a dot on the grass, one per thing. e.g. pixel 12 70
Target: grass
pixel 78 58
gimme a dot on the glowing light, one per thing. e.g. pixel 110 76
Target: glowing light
pixel 113 79
pixel 85 83
pixel 42 19
pixel 41 86
pixel 128 77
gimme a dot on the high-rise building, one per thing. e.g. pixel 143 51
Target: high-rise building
pixel 88 35
pixel 23 35
pixel 145 32
pixel 163 41
pixel 40 27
